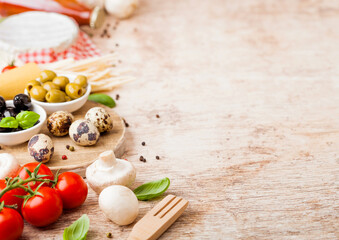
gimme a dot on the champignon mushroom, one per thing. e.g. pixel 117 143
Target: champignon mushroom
pixel 9 165
pixel 119 204
pixel 107 171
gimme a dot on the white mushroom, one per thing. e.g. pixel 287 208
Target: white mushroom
pixel 121 8
pixel 107 171
pixel 119 204
pixel 9 165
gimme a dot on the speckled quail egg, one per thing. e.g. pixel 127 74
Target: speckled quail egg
pixel 84 133
pixel 41 148
pixel 58 123
pixel 100 118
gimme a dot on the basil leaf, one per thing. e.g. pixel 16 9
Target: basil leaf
pixel 78 230
pixel 151 190
pixel 9 122
pixel 103 99
pixel 27 119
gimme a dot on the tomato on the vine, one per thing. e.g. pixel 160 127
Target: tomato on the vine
pixel 43 170
pixel 42 210
pixel 11 224
pixel 72 189
pixel 10 197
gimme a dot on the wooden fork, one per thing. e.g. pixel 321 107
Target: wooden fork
pixel 159 219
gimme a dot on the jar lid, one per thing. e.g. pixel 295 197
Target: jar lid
pixel 97 17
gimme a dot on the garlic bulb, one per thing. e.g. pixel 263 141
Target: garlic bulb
pixel 121 8
pixel 92 3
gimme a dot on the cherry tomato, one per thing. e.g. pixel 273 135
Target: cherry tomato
pixel 44 170
pixel 11 224
pixel 10 196
pixel 43 210
pixel 72 189
pixel 7 68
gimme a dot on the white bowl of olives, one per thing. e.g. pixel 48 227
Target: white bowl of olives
pixel 66 92
pixel 20 120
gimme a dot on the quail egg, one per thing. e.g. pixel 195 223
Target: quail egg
pixel 41 148
pixel 84 133
pixel 100 118
pixel 58 123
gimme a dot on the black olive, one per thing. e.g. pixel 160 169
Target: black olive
pixel 2 104
pixel 11 112
pixel 22 101
pixel 17 129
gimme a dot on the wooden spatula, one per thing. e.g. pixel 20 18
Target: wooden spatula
pixel 159 219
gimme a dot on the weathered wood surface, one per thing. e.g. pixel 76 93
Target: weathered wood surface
pixel 248 98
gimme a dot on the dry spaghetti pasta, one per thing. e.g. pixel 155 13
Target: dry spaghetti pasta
pixel 101 71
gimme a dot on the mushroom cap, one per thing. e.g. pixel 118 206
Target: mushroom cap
pixel 119 204
pixel 9 165
pixel 107 171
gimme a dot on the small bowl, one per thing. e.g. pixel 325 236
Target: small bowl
pixel 70 106
pixel 15 138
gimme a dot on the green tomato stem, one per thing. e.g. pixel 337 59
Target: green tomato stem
pixel 20 184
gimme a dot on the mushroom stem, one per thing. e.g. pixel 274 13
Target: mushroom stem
pixel 106 160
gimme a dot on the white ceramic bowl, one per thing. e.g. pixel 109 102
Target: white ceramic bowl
pixel 70 106
pixel 14 138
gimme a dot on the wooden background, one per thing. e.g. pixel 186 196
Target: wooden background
pixel 248 98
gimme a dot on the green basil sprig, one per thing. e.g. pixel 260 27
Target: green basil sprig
pixel 78 230
pixel 151 190
pixel 9 122
pixel 103 99
pixel 25 120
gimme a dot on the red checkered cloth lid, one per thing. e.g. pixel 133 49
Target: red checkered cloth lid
pixel 81 49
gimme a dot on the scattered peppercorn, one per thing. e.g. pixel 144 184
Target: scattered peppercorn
pixel 67 146
pixel 117 97
pixel 157 157
pixel 143 143
pixel 126 124
pixel 71 148
pixel 119 61
pixel 109 235
pixel 157 116
pixel 142 159
pixel 117 44
pixel 64 157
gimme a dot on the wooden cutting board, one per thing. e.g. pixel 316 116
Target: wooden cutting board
pixel 82 156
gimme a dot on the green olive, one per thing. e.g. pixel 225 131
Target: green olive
pixel 61 81
pixel 31 84
pixel 74 90
pixel 38 93
pixel 81 80
pixel 50 85
pixel 55 96
pixel 68 98
pixel 47 75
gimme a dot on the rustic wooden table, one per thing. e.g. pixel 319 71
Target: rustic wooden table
pixel 248 98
